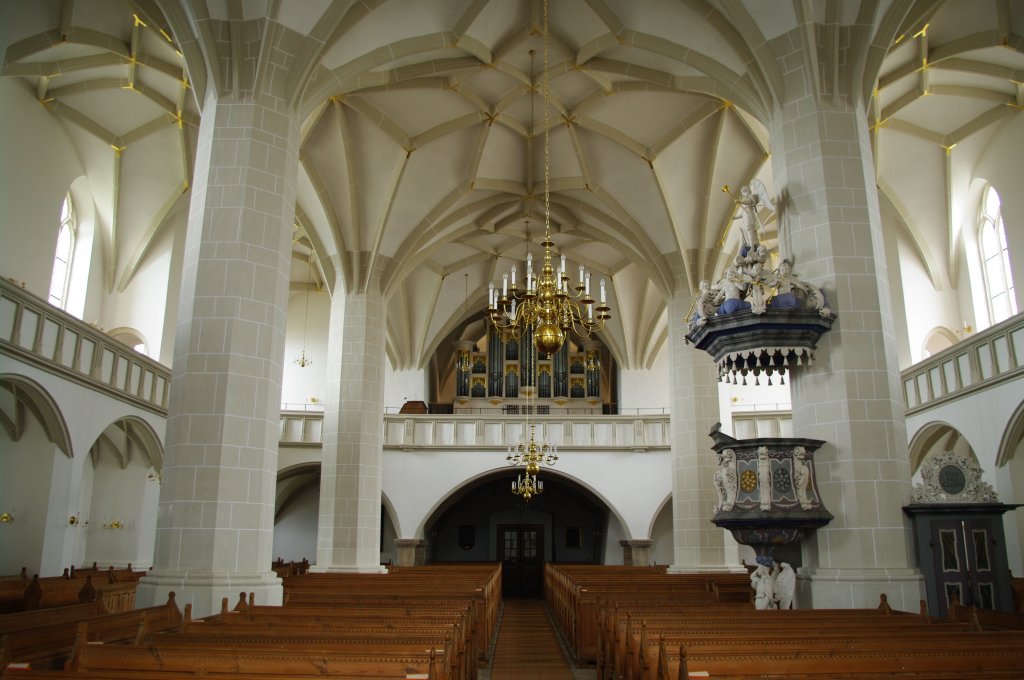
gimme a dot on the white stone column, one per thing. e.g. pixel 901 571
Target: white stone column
pixel 698 545
pixel 850 397
pixel 216 515
pixel 348 537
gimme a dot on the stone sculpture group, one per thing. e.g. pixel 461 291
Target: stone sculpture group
pixel 750 284
pixel 773 589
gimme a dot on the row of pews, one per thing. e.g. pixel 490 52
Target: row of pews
pixel 112 588
pixel 577 594
pixel 661 632
pixel 430 623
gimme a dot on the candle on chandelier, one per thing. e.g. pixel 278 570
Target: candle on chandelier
pixel 586 286
pixel 602 292
pixel 490 294
pixel 581 275
pixel 513 277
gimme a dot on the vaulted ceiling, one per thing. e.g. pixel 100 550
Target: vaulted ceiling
pixel 423 135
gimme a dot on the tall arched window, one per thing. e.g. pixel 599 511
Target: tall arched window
pixel 62 257
pixel 995 256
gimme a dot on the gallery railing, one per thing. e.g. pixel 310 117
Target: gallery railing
pixel 981 361
pixel 38 333
pixel 466 432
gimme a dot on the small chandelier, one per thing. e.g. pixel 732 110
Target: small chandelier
pixel 302 361
pixel 530 455
pixel 547 303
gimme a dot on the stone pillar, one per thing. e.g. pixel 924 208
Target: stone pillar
pixel 215 523
pixel 850 397
pixel 348 537
pixel 698 545
pixel 627 553
pixel 641 551
pixel 412 552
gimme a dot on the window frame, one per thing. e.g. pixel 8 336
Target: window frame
pixel 68 222
pixel 994 221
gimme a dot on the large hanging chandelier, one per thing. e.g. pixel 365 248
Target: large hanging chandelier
pixel 530 455
pixel 547 303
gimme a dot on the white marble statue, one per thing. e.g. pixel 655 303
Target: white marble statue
pixel 764 478
pixel 708 300
pixel 802 477
pixel 751 197
pixel 785 586
pixel 764 588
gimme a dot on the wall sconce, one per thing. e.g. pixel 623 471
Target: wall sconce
pixel 114 524
pixel 6 518
pixel 77 521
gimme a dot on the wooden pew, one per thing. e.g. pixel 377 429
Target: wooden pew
pixel 977 659
pixel 37 618
pixel 246 660
pixel 47 641
pixel 479 585
pixel 61 591
pixel 637 639
pixel 575 594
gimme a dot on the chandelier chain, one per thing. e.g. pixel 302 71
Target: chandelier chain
pixel 548 304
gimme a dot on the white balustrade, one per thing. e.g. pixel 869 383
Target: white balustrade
pixel 475 432
pixel 979 362
pixel 38 333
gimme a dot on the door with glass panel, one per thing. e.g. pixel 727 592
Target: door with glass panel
pixel 521 553
pixel 964 564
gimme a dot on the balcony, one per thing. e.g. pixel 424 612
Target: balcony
pixel 37 333
pixel 983 361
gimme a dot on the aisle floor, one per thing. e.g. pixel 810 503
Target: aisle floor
pixel 527 647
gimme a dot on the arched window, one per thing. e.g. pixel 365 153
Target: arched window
pixel 62 257
pixel 995 257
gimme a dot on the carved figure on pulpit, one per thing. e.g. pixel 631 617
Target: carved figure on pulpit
pixel 785 586
pixel 764 478
pixel 764 588
pixel 752 196
pixel 732 290
pixel 802 477
pixel 725 480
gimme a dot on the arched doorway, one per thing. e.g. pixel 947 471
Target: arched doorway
pixel 485 522
pixel 296 516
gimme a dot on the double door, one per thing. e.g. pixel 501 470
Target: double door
pixel 521 553
pixel 964 564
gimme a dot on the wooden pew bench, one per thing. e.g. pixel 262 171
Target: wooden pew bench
pixel 636 646
pixel 384 625
pixel 575 594
pixel 52 642
pixel 975 659
pixel 242 660
pixel 37 618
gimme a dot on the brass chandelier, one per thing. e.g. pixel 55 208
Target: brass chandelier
pixel 530 455
pixel 547 304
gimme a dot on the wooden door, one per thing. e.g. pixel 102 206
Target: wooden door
pixel 521 553
pixel 964 563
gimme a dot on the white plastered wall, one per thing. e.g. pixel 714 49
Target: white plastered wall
pixel 418 481
pixel 69 482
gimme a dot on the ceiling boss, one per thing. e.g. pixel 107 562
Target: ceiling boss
pixel 547 303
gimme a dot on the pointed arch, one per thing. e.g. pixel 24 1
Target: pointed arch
pixel 31 395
